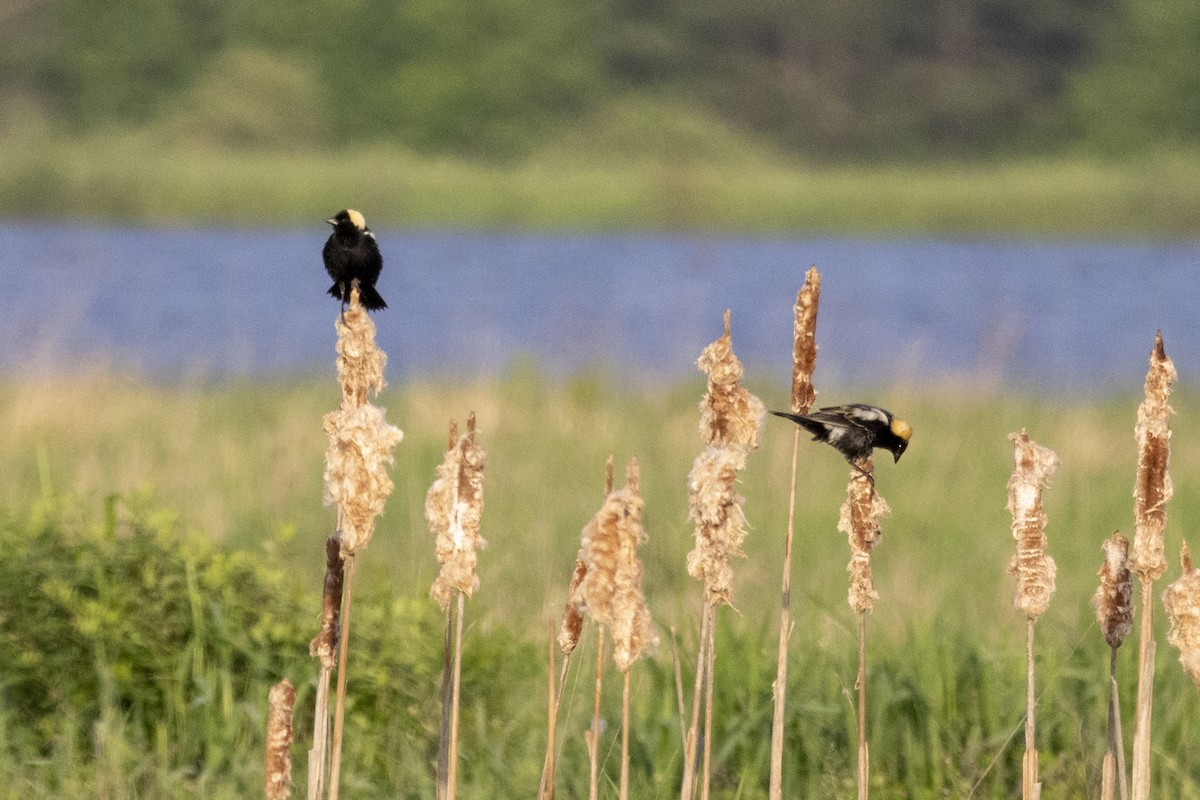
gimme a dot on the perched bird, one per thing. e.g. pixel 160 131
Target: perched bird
pixel 855 430
pixel 350 254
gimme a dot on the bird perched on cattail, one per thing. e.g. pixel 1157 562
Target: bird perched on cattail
pixel 855 430
pixel 352 254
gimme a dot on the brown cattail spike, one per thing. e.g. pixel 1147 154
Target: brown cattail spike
pixel 730 416
pixel 453 509
pixel 1033 569
pixel 1153 488
pixel 572 624
pixel 277 767
pixel 324 647
pixel 1114 596
pixel 804 349
pixel 1182 601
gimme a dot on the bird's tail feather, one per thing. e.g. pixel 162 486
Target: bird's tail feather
pixel 809 425
pixel 371 299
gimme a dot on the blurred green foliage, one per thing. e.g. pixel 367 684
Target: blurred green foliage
pixel 497 79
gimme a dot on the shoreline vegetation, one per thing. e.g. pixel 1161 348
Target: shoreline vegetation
pixel 718 184
pixel 206 505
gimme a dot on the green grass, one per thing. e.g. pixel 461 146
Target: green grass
pixel 614 179
pixel 238 468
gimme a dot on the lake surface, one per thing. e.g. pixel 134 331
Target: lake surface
pixel 212 303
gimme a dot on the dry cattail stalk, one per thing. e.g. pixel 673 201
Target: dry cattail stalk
pixel 804 361
pixel 1182 601
pixel 277 768
pixel 360 449
pixel 1151 492
pixel 859 520
pixel 453 509
pixel 1153 488
pixel 730 418
pixel 804 349
pixel 361 442
pixel 1033 569
pixel 1114 596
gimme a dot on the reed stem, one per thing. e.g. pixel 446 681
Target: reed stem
pixel 708 704
pixel 775 791
pixel 688 787
pixel 443 766
pixel 452 768
pixel 594 742
pixel 339 714
pixel 864 768
pixel 1030 788
pixel 1141 731
pixel 624 788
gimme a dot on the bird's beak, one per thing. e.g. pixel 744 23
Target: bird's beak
pixel 900 451
pixel 332 222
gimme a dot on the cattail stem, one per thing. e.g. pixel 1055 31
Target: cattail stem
pixel 318 755
pixel 1141 731
pixel 864 766
pixel 443 767
pixel 1030 788
pixel 1114 759
pixel 624 787
pixel 775 791
pixel 708 704
pixel 594 739
pixel 339 714
pixel 688 787
pixel 452 769
pixel 546 786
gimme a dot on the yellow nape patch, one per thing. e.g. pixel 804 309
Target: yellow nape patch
pixel 359 221
pixel 901 429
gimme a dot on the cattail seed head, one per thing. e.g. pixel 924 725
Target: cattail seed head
pixel 1114 596
pixel 804 349
pixel 1182 601
pixel 631 626
pixel 859 520
pixel 730 416
pixel 1033 569
pixel 324 646
pixel 277 766
pixel 572 624
pixel 453 509
pixel 1153 487
pixel 361 443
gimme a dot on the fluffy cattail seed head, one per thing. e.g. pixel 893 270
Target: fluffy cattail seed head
pixel 1033 569
pixel 1153 488
pixel 859 520
pixel 730 416
pixel 361 443
pixel 1114 596
pixel 1182 600
pixel 804 349
pixel 453 509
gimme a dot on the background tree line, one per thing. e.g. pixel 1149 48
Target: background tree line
pixel 830 79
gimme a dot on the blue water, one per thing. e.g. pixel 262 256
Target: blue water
pixel 1059 316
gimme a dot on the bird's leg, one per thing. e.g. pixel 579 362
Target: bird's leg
pixel 868 474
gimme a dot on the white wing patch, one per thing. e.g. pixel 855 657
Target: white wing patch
pixel 868 414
